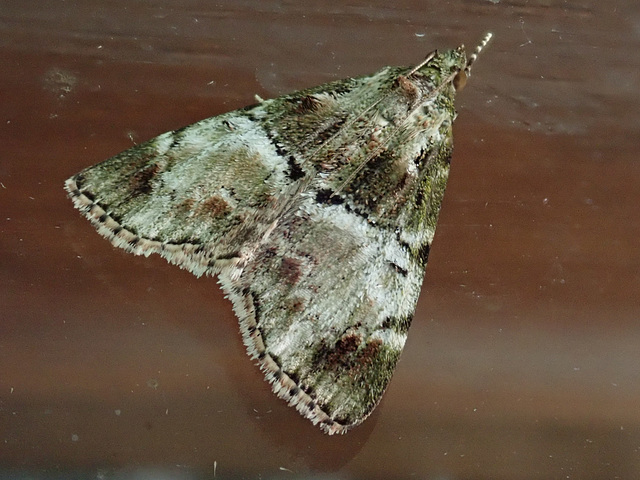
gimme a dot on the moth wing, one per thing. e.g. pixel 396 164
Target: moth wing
pixel 331 360
pixel 202 194
pixel 192 195
pixel 225 196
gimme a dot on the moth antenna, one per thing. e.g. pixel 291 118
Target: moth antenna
pixel 474 55
pixel 423 63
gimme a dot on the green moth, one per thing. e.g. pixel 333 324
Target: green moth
pixel 316 211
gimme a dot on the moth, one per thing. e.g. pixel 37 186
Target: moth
pixel 316 211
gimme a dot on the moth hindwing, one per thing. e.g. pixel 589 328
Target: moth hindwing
pixel 316 210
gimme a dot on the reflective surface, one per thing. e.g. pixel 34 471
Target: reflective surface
pixel 523 357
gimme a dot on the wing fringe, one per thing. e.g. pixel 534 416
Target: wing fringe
pixel 188 256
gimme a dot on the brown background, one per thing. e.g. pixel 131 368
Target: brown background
pixel 523 361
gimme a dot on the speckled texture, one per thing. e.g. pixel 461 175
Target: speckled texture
pixel 316 210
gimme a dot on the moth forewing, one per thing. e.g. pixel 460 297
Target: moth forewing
pixel 316 210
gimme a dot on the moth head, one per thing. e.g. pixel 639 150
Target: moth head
pixel 451 66
pixel 460 80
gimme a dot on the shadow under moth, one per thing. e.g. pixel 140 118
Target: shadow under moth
pixel 316 211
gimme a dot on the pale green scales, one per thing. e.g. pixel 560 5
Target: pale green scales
pixel 316 210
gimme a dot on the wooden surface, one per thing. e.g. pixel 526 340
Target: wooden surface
pixel 523 361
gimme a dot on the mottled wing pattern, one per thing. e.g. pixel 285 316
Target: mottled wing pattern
pixel 326 313
pixel 316 210
pixel 191 195
pixel 325 303
pixel 200 194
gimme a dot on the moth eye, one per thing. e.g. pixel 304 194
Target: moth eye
pixel 460 80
